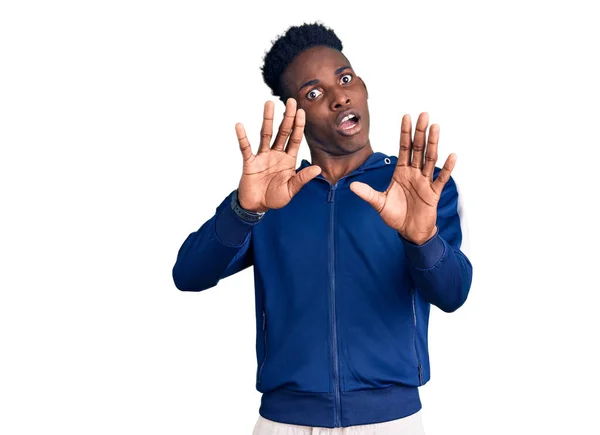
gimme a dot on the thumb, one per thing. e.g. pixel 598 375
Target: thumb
pixel 373 197
pixel 302 177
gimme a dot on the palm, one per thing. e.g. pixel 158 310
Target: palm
pixel 266 179
pixel 269 179
pixel 410 195
pixel 409 204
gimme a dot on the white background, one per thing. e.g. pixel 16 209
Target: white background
pixel 117 132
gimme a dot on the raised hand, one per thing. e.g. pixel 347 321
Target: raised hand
pixel 409 205
pixel 269 178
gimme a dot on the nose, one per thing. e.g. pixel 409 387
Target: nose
pixel 340 100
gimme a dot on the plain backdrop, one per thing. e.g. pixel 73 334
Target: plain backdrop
pixel 117 132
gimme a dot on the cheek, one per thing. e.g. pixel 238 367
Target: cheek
pixel 316 120
pixel 313 130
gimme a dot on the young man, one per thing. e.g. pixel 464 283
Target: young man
pixel 349 251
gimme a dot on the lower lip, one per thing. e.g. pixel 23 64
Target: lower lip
pixel 351 131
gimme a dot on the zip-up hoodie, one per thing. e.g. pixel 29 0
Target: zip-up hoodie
pixel 342 300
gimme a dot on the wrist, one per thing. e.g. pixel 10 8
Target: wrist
pixel 246 215
pixel 250 209
pixel 420 241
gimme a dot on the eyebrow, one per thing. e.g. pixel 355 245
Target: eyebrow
pixel 315 81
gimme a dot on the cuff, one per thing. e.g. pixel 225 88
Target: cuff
pixel 231 229
pixel 428 254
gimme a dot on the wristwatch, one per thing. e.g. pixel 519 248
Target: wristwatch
pixel 248 216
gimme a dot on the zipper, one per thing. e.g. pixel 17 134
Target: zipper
pixel 419 366
pixel 265 342
pixel 337 409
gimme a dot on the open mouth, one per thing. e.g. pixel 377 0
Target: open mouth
pixel 349 125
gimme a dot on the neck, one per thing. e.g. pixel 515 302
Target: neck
pixel 334 167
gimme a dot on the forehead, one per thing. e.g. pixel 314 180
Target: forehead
pixel 317 62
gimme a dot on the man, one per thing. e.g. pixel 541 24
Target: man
pixel 349 251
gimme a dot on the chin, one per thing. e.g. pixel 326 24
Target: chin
pixel 358 141
pixel 350 147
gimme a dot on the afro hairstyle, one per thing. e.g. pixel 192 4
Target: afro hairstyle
pixel 295 40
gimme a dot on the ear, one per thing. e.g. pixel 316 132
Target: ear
pixel 365 85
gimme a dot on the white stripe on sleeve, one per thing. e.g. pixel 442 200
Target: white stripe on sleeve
pixel 465 245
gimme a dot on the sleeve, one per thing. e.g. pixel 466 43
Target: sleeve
pixel 440 268
pixel 221 247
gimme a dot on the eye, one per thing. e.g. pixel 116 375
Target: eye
pixel 313 94
pixel 349 78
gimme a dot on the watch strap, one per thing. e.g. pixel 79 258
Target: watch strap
pixel 248 216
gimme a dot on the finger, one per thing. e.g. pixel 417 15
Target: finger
pixel 302 177
pixel 405 141
pixel 373 197
pixel 285 128
pixel 431 155
pixel 243 141
pixel 444 174
pixel 296 138
pixel 419 142
pixel 266 131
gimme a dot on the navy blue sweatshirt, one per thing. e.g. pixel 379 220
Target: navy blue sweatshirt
pixel 342 300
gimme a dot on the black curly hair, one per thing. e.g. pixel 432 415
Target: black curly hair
pixel 295 40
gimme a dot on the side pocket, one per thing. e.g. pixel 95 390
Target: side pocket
pixel 265 344
pixel 419 366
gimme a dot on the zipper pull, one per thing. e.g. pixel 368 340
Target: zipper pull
pixel 331 194
pixel 264 320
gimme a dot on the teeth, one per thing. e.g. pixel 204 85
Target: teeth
pixel 347 117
